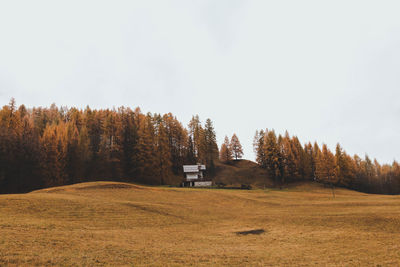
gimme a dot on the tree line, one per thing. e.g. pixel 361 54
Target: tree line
pixel 43 147
pixel 287 160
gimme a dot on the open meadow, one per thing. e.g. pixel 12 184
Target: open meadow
pixel 108 223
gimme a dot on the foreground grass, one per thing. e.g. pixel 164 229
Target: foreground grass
pixel 120 224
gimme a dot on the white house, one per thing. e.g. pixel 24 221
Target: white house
pixel 194 176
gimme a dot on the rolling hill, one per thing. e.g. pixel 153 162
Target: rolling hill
pixel 238 172
pixel 108 223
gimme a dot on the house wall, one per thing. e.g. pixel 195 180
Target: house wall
pixel 203 183
pixel 192 176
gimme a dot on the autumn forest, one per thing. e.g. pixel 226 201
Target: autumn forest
pixel 44 147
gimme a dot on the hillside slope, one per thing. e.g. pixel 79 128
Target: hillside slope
pixel 238 172
pixel 107 223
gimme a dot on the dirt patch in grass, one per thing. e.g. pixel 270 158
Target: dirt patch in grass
pixel 251 232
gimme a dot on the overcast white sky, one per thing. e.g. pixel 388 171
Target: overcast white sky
pixel 327 71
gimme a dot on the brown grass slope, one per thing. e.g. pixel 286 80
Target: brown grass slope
pixel 113 224
pixel 238 172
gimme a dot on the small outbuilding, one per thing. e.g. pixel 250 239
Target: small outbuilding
pixel 194 176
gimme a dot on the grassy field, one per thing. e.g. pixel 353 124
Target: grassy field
pixel 107 223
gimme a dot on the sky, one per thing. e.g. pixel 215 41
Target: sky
pixel 326 71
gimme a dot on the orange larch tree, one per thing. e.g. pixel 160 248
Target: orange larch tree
pixel 236 147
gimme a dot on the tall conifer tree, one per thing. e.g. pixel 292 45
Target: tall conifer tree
pixel 236 147
pixel 225 154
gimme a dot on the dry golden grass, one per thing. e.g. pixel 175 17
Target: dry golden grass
pixel 106 223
